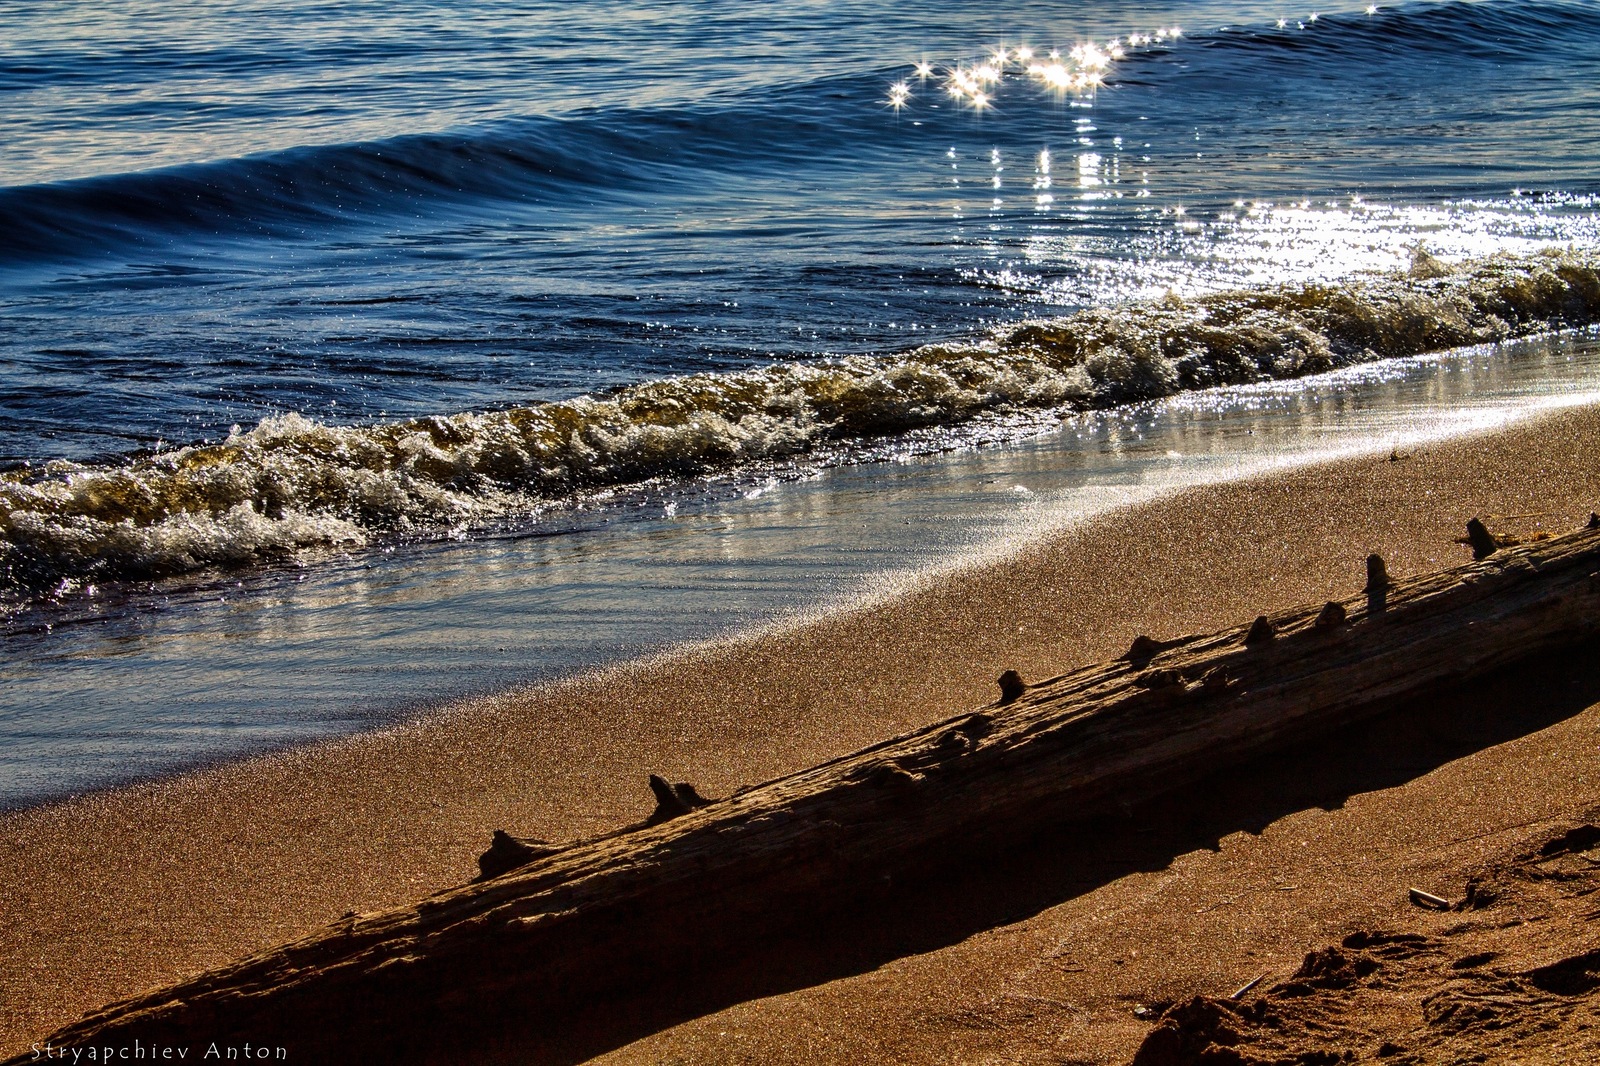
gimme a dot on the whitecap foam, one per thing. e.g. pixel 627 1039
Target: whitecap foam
pixel 292 484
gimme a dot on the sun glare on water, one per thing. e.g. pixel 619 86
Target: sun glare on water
pixel 1079 72
pixel 1044 208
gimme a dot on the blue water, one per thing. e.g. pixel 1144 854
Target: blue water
pixel 347 214
pixel 354 212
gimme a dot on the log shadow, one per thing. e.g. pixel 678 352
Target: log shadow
pixel 952 896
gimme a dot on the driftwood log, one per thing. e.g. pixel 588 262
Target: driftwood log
pixel 613 915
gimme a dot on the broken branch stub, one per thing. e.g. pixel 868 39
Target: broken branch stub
pixel 1378 585
pixel 1141 651
pixel 673 800
pixel 1261 631
pixel 1482 541
pixel 507 852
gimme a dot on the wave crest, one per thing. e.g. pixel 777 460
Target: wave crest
pixel 292 483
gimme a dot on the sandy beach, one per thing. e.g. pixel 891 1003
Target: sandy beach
pixel 1052 960
pixel 801 534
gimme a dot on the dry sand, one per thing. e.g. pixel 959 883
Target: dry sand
pixel 115 893
pixel 1075 951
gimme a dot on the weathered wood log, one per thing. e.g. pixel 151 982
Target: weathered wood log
pixel 609 916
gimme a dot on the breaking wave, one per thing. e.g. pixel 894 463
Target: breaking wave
pixel 292 483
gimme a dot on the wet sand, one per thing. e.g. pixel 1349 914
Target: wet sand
pixel 119 892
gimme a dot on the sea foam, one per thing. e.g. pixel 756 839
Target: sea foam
pixel 292 483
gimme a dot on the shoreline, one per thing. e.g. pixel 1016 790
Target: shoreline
pixel 160 880
pixel 381 638
pixel 293 483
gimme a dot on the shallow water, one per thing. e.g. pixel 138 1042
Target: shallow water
pixel 228 668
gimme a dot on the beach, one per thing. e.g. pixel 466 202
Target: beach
pixel 429 424
pixel 122 891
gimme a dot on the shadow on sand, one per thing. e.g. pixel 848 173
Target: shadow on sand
pixel 957 896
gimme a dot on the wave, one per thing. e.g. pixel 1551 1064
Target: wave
pixel 655 151
pixel 554 160
pixel 292 483
pixel 1509 32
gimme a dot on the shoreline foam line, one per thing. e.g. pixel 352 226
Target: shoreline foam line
pixel 292 483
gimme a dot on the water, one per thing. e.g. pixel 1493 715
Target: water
pixel 376 239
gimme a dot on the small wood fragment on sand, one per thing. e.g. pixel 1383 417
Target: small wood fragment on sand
pixel 1244 990
pixel 1428 899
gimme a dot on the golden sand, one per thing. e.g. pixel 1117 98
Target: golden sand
pixel 116 893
